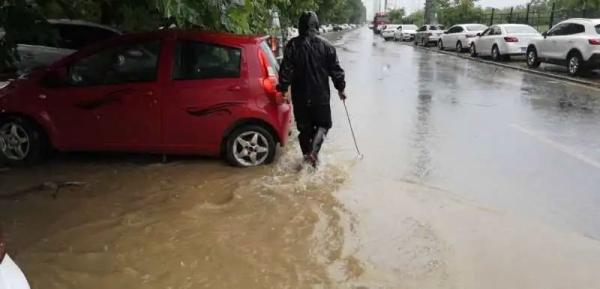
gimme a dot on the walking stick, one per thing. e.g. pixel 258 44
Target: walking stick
pixel 360 156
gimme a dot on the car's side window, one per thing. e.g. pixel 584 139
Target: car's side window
pixel 560 29
pixel 459 29
pixel 496 31
pixel 126 63
pixel 486 32
pixel 423 28
pixel 575 29
pixel 78 36
pixel 198 60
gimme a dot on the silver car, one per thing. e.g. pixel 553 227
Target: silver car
pixel 429 34
pixel 68 37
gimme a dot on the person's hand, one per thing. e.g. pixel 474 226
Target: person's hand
pixel 342 95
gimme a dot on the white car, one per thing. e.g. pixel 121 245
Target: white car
pixel 429 34
pixel 574 43
pixel 504 40
pixel 291 32
pixel 389 31
pixel 405 32
pixel 68 37
pixel 11 276
pixel 460 36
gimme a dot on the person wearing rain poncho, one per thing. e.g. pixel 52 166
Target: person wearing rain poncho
pixel 308 62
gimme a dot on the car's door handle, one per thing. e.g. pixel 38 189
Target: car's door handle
pixel 235 88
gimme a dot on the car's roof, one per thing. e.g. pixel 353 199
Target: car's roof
pixel 82 23
pixel 583 20
pixel 511 25
pixel 467 24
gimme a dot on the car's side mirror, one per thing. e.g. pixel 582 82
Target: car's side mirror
pixel 545 34
pixel 479 34
pixel 55 78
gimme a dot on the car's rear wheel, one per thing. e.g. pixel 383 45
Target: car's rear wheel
pixel 473 50
pixel 250 146
pixel 532 58
pixel 496 56
pixel 440 45
pixel 575 63
pixel 423 43
pixel 21 142
pixel 459 47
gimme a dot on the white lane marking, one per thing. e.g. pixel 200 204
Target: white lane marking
pixel 558 146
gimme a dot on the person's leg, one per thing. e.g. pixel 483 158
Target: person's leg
pixel 305 128
pixel 321 118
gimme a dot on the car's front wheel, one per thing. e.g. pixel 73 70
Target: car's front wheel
pixel 459 47
pixel 440 45
pixel 532 58
pixel 473 50
pixel 250 146
pixel 575 63
pixel 21 142
pixel 496 56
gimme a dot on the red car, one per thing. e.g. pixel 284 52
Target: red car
pixel 166 92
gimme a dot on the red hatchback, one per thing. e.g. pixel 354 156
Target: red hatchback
pixel 171 91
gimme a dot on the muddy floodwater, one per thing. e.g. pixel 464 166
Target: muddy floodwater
pixel 474 177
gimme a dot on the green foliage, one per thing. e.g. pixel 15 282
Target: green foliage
pixel 27 18
pixel 396 15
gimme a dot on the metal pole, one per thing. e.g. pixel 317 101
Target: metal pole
pixel 527 14
pixel 510 15
pixel 492 17
pixel 352 130
pixel 552 16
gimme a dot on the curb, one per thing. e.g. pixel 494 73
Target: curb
pixel 523 69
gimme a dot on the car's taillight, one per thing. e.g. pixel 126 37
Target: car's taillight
pixel 2 248
pixel 511 39
pixel 594 41
pixel 470 35
pixel 269 80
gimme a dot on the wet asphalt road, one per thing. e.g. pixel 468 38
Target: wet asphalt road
pixel 474 176
pixel 512 140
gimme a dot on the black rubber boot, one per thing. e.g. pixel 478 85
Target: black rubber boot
pixel 317 143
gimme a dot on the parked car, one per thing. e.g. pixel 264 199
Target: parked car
pixel 389 31
pixel 429 34
pixel 574 43
pixel 67 36
pixel 460 36
pixel 168 91
pixel 405 32
pixel 338 28
pixel 503 41
pixel 292 32
pixel 11 277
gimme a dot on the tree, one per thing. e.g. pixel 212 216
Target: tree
pixel 396 15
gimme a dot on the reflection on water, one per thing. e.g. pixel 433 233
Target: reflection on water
pixel 422 134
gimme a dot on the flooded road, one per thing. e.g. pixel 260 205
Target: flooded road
pixel 474 177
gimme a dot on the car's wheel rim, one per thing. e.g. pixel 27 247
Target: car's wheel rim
pixel 573 65
pixel 251 148
pixel 440 45
pixel 495 53
pixel 14 141
pixel 532 57
pixel 459 47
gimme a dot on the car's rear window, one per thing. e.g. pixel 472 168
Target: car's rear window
pixel 437 27
pixel 198 60
pixel 477 27
pixel 598 28
pixel 520 29
pixel 274 65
